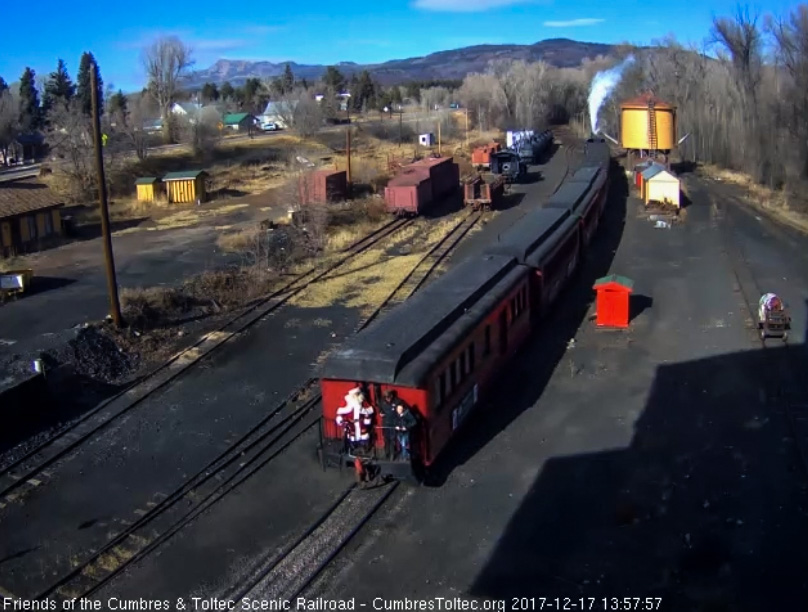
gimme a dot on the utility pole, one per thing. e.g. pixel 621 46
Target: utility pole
pixel 348 151
pixel 400 119
pixel 467 127
pixel 438 136
pixel 112 282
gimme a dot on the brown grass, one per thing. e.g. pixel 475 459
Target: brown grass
pixel 206 293
pixel 775 203
pixel 371 277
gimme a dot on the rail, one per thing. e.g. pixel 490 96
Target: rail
pixel 25 472
pixel 748 285
pixel 283 426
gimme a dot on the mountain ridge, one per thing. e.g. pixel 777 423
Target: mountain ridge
pixel 440 65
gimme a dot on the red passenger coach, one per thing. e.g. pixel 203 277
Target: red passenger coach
pixel 594 180
pixel 547 241
pixel 438 352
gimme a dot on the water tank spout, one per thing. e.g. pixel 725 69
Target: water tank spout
pixel 602 133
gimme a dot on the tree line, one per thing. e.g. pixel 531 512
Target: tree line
pixel 740 95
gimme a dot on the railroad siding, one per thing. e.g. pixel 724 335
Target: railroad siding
pixel 257 521
pixel 161 443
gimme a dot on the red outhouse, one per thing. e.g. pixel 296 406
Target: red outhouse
pixel 613 300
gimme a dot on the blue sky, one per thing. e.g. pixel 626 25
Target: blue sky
pixel 323 32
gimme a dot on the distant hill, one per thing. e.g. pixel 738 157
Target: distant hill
pixel 454 64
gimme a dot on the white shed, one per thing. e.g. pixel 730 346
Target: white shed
pixel 660 185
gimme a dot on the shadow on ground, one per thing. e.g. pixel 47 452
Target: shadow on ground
pixel 91 231
pixel 510 200
pixel 638 303
pixel 548 153
pixel 445 206
pixel 531 178
pixel 684 167
pixel 534 371
pixel 226 192
pixel 704 509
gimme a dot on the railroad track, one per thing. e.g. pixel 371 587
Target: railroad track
pixel 30 470
pixel 252 452
pixel 287 575
pixel 750 292
pixel 283 426
pixel 568 151
pixel 424 268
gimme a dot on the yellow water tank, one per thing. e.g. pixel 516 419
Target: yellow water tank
pixel 647 123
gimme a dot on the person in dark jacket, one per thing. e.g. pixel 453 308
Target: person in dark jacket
pixel 387 407
pixel 403 422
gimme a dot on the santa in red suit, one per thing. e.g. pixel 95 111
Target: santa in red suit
pixel 355 416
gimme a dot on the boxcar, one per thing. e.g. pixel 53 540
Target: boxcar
pixel 439 352
pixel 410 193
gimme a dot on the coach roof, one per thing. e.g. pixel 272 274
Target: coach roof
pixel 391 350
pixel 528 233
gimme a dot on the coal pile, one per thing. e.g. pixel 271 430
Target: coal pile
pixel 96 355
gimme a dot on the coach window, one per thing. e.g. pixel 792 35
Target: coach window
pixel 471 357
pixel 464 371
pixel 453 370
pixel 487 347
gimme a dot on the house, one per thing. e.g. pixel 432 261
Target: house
pixel 242 122
pixel 30 216
pixel 280 113
pixel 24 147
pixel 343 98
pixel 186 109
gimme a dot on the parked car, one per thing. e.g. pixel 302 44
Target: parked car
pixel 270 127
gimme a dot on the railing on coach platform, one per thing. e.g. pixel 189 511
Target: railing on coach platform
pixel 334 439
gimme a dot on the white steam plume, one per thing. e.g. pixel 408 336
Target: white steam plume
pixel 603 84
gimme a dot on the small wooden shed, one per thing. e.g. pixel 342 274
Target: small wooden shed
pixel 185 187
pixel 660 185
pixel 147 187
pixel 613 295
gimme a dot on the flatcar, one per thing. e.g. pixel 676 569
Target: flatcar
pixel 438 353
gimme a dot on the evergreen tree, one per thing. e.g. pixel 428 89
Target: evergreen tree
pixel 365 90
pixel 30 111
pixel 226 91
pixel 118 104
pixel 3 85
pixel 334 80
pixel 210 93
pixel 83 92
pixel 287 80
pixel 58 88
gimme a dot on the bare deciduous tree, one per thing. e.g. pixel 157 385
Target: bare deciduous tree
pixel 71 137
pixel 166 62
pixel 201 130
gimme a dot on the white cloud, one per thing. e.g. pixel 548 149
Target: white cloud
pixel 573 23
pixel 217 44
pixel 465 6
